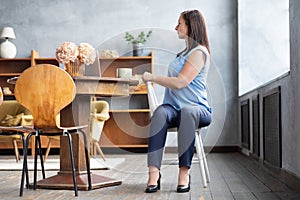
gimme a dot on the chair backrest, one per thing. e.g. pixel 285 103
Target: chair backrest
pixel 100 114
pixel 44 90
pixel 152 99
pixel 100 107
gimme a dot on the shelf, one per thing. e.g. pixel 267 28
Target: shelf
pixel 10 74
pixel 14 59
pixel 128 58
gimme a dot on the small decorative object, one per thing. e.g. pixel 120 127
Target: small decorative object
pixel 75 58
pixel 124 72
pixel 7 48
pixel 137 42
pixel 6 90
pixel 109 53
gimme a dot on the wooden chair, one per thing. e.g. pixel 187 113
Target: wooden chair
pixel 45 90
pixel 153 104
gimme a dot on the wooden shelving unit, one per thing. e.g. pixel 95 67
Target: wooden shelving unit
pixel 128 126
pixel 10 68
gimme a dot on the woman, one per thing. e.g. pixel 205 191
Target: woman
pixel 185 103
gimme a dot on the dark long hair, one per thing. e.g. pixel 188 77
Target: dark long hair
pixel 197 33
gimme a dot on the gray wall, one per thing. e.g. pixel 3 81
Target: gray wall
pixel 292 113
pixel 43 25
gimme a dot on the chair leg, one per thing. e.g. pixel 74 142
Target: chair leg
pixel 204 159
pixel 99 151
pixel 41 156
pixel 17 155
pixel 25 167
pixel 72 163
pixel 200 158
pixel 48 149
pixel 35 162
pixel 87 159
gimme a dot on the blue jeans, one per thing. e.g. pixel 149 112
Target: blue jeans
pixel 186 120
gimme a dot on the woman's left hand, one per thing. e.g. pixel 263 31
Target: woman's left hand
pixel 147 77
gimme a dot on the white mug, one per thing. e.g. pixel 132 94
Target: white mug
pixel 124 72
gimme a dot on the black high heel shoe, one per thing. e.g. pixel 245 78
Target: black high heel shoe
pixel 184 188
pixel 154 188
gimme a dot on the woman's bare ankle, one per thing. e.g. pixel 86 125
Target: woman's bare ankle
pixel 183 176
pixel 153 175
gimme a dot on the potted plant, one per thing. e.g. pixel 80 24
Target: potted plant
pixel 137 42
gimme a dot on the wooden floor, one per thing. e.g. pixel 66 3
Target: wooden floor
pixel 233 176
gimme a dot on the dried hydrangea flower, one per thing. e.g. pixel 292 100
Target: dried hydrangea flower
pixel 87 53
pixel 67 52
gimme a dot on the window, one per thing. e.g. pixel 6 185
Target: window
pixel 264 49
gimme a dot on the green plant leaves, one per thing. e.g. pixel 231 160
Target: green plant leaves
pixel 141 38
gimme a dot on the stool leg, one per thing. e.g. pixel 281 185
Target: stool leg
pixel 200 158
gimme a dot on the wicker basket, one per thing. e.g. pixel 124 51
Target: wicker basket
pixel 75 68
